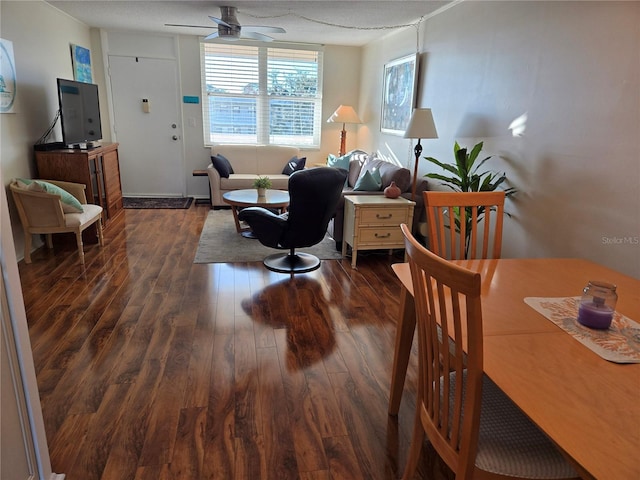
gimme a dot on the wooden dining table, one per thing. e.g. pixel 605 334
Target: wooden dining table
pixel 588 406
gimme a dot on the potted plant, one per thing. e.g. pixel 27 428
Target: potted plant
pixel 467 178
pixel 262 183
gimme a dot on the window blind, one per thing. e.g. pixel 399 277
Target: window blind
pixel 261 94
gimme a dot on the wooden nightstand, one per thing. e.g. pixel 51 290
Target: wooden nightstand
pixel 372 222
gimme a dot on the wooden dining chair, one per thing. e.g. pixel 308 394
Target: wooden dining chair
pixel 478 218
pixel 484 238
pixel 473 426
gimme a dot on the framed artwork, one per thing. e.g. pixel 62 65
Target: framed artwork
pixel 81 61
pixel 8 85
pixel 398 94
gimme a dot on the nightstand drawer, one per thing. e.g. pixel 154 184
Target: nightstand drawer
pixel 381 235
pixel 383 216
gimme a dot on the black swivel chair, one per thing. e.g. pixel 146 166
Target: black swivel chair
pixel 314 195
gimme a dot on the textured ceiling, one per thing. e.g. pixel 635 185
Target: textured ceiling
pixel 325 22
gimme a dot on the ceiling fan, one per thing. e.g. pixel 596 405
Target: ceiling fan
pixel 229 27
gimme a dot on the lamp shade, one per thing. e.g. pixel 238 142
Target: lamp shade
pixel 344 114
pixel 421 125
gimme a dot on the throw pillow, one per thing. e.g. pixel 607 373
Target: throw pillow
pixel 70 204
pixel 222 165
pixel 339 162
pixel 294 165
pixel 369 181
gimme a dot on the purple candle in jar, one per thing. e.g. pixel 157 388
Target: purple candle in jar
pixel 595 315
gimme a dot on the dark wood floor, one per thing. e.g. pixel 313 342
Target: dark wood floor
pixel 152 367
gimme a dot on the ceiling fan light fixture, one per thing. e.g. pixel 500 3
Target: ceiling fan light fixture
pixel 229 28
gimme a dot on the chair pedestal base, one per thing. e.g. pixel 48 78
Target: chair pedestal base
pixel 296 263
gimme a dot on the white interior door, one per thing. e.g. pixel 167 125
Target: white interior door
pixel 146 118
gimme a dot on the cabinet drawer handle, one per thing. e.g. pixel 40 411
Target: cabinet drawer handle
pixel 383 217
pixel 386 235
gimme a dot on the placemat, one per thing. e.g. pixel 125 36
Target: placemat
pixel 620 343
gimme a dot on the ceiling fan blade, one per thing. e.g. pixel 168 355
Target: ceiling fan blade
pixel 212 36
pixel 220 22
pixel 255 36
pixel 191 26
pixel 263 28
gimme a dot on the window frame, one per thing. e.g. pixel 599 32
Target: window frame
pixel 263 127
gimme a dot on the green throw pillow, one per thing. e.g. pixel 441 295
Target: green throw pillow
pixel 369 181
pixel 339 162
pixel 70 204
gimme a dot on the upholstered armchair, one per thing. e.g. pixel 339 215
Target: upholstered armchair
pixel 314 195
pixel 51 206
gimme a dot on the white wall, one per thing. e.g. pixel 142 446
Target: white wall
pixel 41 36
pixel 574 69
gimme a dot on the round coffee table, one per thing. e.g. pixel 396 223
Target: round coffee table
pixel 249 198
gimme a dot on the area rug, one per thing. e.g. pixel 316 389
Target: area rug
pixel 155 202
pixel 220 243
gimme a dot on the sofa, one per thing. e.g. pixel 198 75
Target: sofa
pixel 235 167
pixel 359 163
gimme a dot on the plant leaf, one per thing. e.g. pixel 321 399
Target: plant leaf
pixel 474 154
pixel 444 166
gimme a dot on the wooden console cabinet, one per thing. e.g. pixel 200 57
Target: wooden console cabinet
pixel 97 168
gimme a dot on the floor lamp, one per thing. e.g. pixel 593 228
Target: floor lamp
pixel 344 114
pixel 420 126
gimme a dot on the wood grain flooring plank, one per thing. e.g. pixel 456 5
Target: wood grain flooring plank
pixel 188 453
pixel 279 450
pixel 225 305
pixel 95 449
pixel 343 463
pixel 98 376
pixel 219 459
pixel 366 431
pixel 196 392
pixel 325 406
pixel 130 362
pixel 247 407
pixel 165 413
pixel 305 430
pixel 128 440
pixel 317 475
pixel 72 432
pixel 258 281
pixel 248 457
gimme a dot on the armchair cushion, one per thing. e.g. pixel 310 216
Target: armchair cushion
pixel 222 165
pixel 78 219
pixel 70 204
pixel 294 165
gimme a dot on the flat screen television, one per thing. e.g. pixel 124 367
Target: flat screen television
pixel 79 113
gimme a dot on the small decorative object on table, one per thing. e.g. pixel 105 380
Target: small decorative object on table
pixel 392 191
pixel 597 305
pixel 262 183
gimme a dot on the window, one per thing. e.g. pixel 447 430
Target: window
pixel 261 95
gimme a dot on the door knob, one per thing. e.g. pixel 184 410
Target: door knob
pixel 173 125
pixel 175 137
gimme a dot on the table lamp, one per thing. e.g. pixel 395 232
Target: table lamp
pixel 344 114
pixel 420 126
